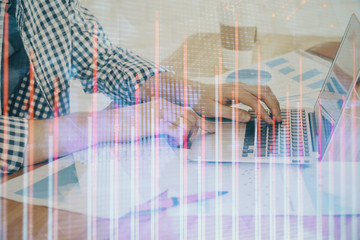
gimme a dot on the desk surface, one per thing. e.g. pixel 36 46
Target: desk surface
pixel 67 225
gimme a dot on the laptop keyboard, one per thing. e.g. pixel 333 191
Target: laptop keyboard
pixel 286 139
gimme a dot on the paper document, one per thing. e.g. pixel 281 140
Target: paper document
pixel 321 189
pixel 97 181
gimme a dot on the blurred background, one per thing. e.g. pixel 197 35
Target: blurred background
pixel 132 24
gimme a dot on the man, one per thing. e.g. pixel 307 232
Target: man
pixel 62 41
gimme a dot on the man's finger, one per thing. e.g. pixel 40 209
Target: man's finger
pixel 192 116
pixel 176 133
pixel 242 115
pixel 254 103
pixel 268 98
pixel 191 134
pixel 209 126
pixel 249 99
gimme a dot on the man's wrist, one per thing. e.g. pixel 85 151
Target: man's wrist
pixel 174 89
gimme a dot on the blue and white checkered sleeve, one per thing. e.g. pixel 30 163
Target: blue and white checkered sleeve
pixel 118 71
pixel 13 140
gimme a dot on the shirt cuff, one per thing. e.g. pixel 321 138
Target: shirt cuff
pixel 13 141
pixel 137 71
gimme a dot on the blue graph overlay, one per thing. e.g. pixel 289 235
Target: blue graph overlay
pixel 250 76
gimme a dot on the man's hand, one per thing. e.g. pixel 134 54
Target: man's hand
pixel 170 116
pixel 114 125
pixel 172 89
pixel 242 93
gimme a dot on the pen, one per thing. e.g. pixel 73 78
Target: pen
pixel 174 201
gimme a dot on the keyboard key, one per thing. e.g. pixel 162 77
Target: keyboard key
pixel 250 132
pixel 298 154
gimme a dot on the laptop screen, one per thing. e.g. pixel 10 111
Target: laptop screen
pixel 339 84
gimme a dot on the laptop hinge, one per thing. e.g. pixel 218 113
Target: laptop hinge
pixel 312 123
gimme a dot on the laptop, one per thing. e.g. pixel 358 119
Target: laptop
pixel 304 134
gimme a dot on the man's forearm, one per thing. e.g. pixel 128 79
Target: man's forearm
pixel 169 87
pixel 62 136
pixel 78 131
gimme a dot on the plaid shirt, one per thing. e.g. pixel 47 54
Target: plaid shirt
pixel 64 39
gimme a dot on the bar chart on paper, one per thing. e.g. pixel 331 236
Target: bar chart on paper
pixel 299 66
pixel 297 75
